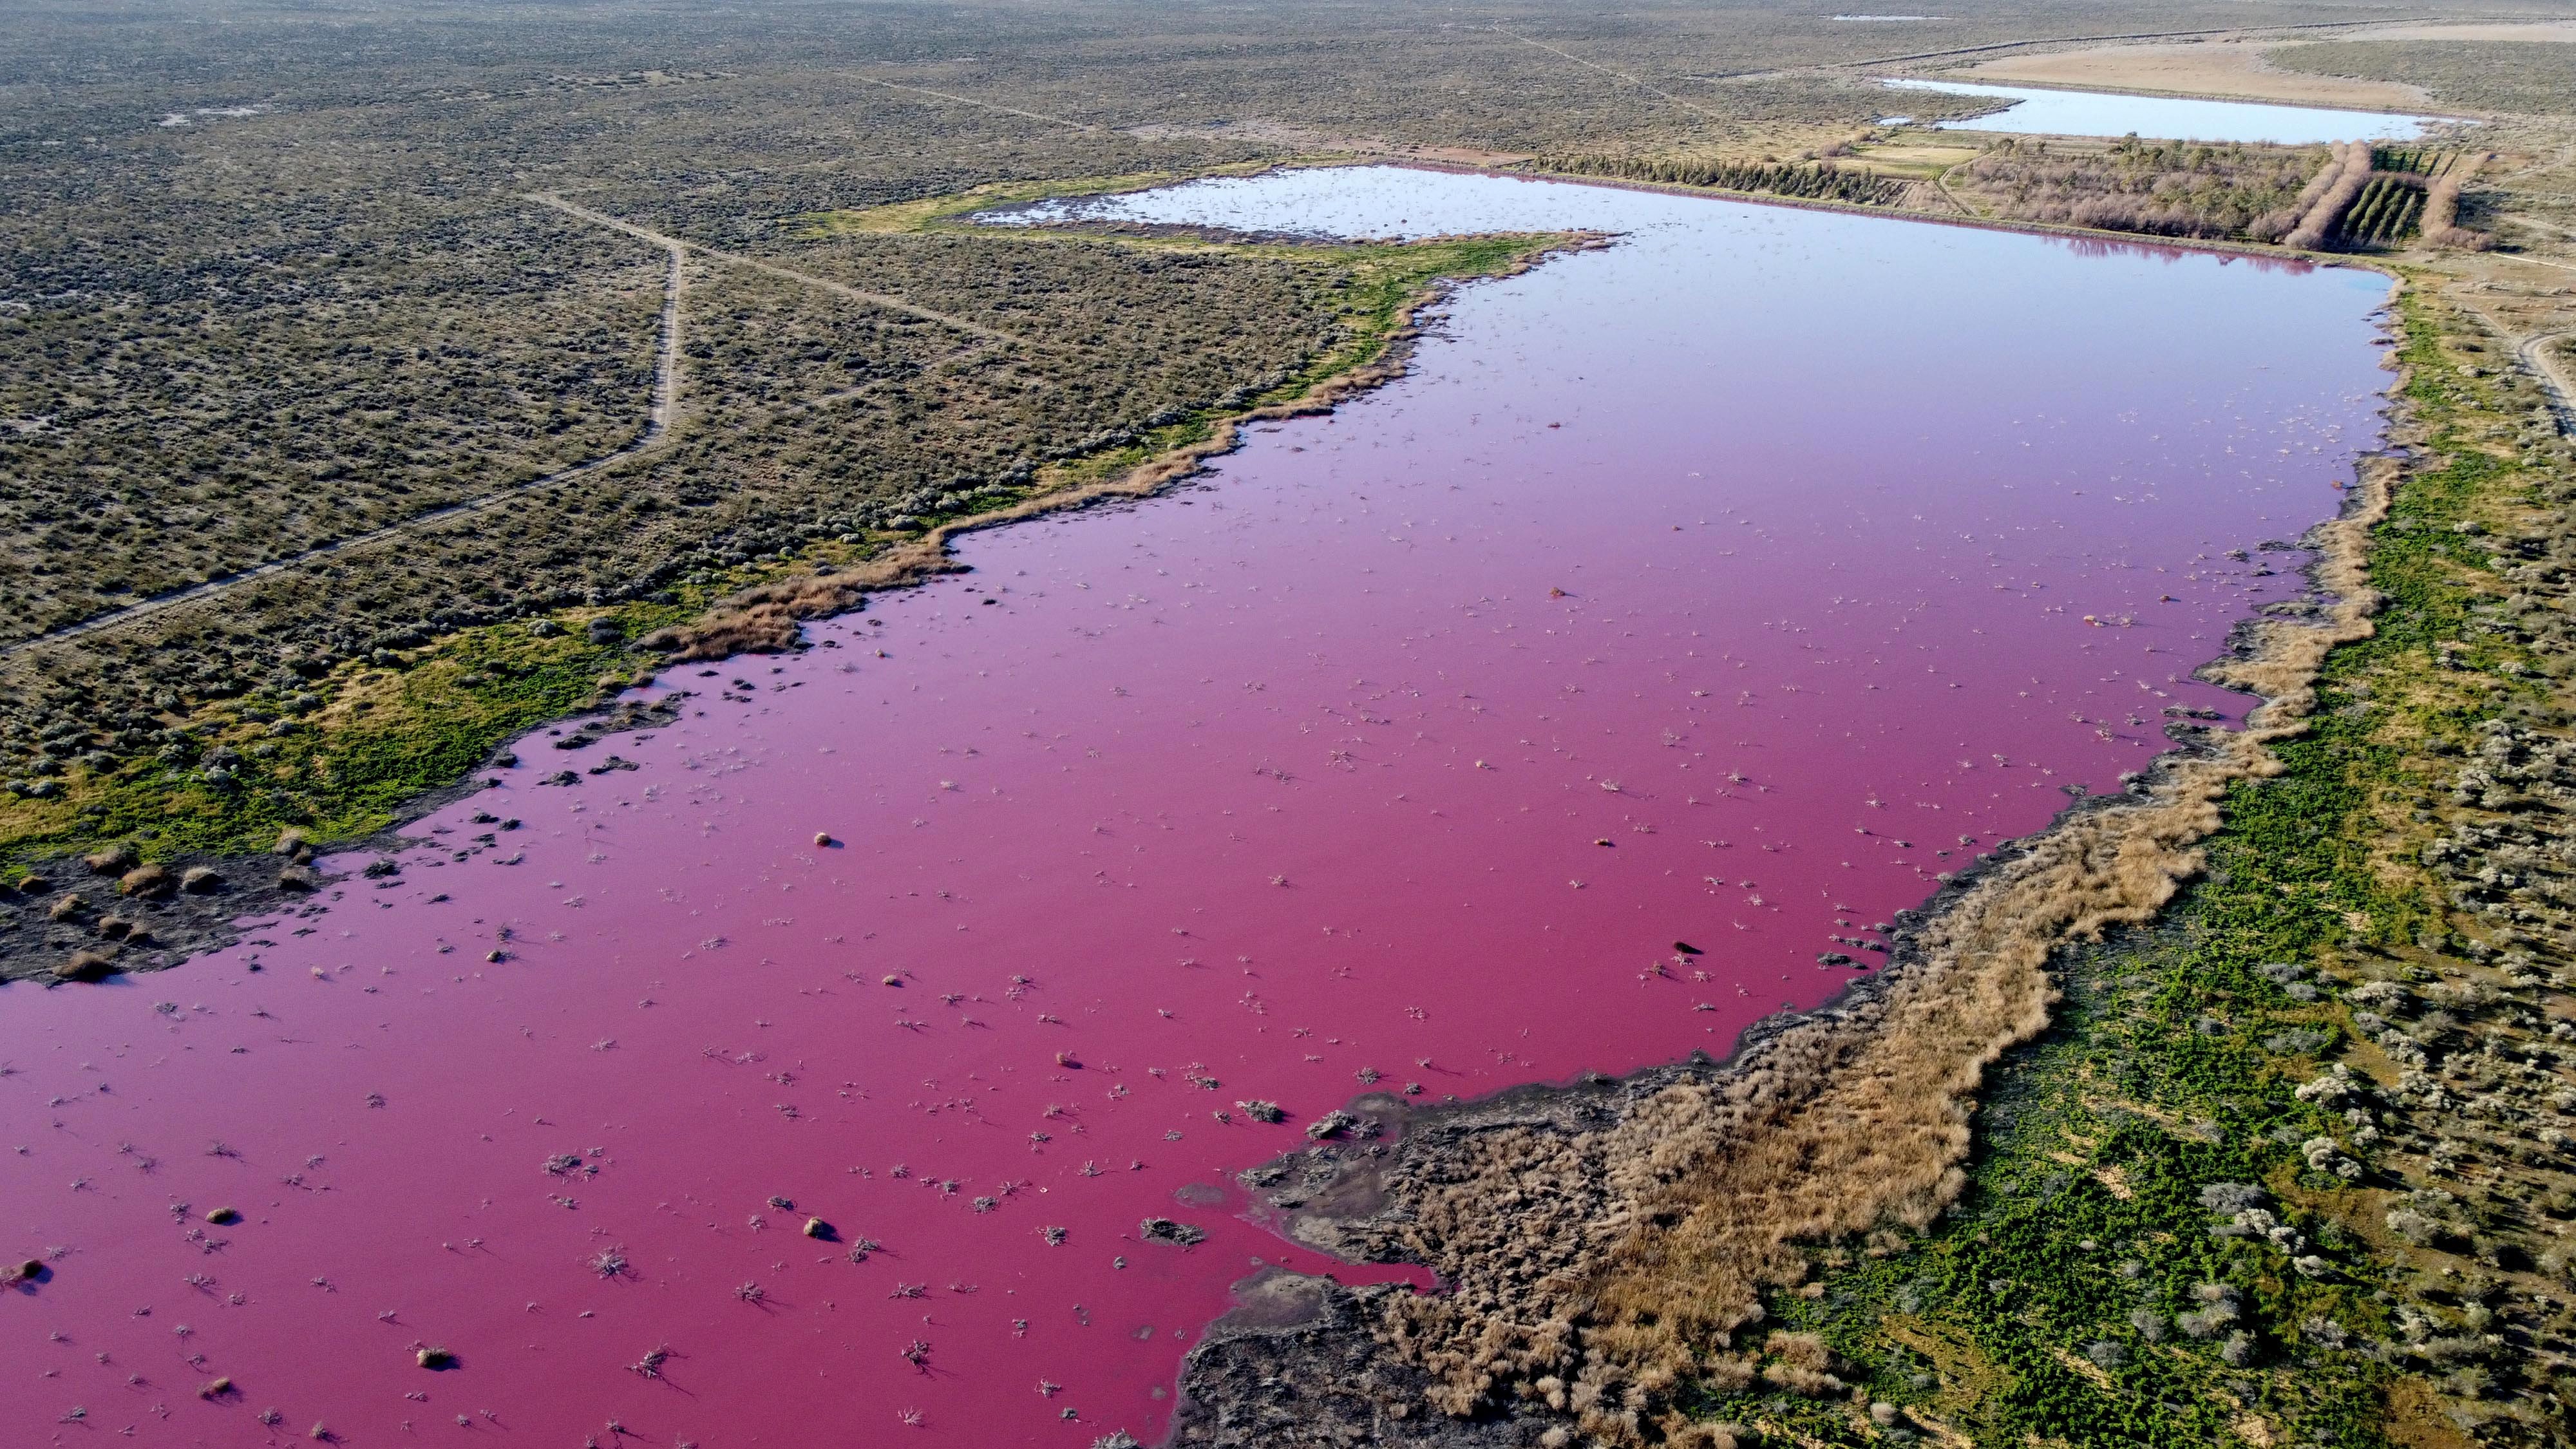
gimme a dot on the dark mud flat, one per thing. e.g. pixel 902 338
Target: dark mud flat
pixel 1301 1360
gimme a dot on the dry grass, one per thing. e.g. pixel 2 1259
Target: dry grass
pixel 1600 1268
pixel 2234 68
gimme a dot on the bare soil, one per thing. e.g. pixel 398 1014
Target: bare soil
pixel 2229 69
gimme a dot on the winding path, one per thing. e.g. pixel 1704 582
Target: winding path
pixel 658 421
pixel 983 105
pixel 2536 353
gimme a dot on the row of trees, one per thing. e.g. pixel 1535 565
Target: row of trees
pixel 2386 213
pixel 1818 181
pixel 2328 195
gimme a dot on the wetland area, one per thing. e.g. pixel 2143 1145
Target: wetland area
pixel 877 1039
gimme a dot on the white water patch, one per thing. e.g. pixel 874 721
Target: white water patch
pixel 188 118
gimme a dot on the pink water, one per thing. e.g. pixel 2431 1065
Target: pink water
pixel 1759 547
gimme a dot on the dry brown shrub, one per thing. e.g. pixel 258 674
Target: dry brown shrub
pixel 1805 1381
pixel 2275 225
pixel 2442 210
pixel 2320 217
pixel 86 965
pixel 147 882
pixel 1799 1350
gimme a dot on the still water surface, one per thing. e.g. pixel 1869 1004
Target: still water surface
pixel 1722 586
pixel 2048 112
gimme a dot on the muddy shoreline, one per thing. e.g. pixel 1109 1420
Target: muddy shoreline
pixel 1310 1362
pixel 118 927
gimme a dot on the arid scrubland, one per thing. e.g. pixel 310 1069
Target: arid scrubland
pixel 2514 77
pixel 277 285
pixel 2288 1161
pixel 2236 1110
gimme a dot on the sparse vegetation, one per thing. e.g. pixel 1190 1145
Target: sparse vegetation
pixel 227 739
pixel 2160 188
pixel 2522 77
pixel 2287 1165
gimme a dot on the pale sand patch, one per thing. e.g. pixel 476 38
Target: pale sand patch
pixel 2229 68
pixel 1935 156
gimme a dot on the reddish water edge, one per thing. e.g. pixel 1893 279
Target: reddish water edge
pixel 1720 587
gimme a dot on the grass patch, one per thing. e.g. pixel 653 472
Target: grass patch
pixel 339 759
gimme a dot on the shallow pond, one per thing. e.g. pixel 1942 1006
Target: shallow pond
pixel 1724 586
pixel 2037 111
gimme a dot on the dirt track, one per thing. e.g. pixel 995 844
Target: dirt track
pixel 658 421
pixel 841 289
